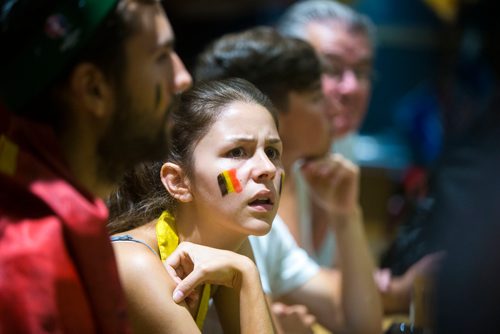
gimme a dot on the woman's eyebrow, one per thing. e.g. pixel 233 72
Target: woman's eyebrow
pixel 272 140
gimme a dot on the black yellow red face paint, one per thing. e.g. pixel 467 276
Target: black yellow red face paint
pixel 282 180
pixel 228 182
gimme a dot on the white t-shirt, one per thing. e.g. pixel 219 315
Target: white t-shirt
pixel 346 146
pixel 325 255
pixel 283 265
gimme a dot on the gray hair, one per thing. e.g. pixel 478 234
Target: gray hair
pixel 294 21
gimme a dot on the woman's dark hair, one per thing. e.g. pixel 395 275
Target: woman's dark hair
pixel 277 65
pixel 141 197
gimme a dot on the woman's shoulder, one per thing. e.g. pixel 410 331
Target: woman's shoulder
pixel 148 288
pixel 136 255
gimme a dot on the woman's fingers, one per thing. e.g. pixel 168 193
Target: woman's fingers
pixel 181 268
pixel 187 285
pixel 192 265
pixel 178 264
pixel 173 274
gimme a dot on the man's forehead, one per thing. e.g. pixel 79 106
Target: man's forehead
pixel 339 31
pixel 152 28
pixel 334 41
pixel 343 57
pixel 165 35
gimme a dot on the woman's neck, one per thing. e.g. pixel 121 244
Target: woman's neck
pixel 205 231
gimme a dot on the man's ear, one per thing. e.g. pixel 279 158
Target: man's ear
pixel 91 89
pixel 175 181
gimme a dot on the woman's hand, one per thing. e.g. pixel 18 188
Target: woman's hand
pixel 334 183
pixel 192 265
pixel 241 309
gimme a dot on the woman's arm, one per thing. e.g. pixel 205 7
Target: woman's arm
pixel 240 301
pixel 148 290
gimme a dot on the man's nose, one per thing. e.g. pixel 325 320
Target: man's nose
pixel 349 82
pixel 182 78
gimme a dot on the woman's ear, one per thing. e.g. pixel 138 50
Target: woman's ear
pixel 175 181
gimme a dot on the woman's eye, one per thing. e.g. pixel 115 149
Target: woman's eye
pixel 236 153
pixel 272 153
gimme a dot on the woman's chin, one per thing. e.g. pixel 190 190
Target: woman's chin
pixel 260 227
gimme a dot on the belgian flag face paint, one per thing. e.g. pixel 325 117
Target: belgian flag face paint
pixel 228 182
pixel 282 181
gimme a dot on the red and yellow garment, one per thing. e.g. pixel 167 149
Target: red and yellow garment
pixel 57 268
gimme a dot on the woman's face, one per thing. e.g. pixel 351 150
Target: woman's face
pixel 237 170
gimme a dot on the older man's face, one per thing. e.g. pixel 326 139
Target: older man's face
pixel 347 69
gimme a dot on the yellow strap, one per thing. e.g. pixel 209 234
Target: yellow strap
pixel 168 240
pixel 166 235
pixel 203 308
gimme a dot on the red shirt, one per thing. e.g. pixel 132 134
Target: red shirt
pixel 57 268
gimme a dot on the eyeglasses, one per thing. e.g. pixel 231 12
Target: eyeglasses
pixel 337 71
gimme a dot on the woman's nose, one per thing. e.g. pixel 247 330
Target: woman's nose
pixel 264 169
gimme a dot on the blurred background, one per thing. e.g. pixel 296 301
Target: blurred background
pixel 402 135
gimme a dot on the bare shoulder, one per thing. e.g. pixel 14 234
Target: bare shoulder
pixel 141 271
pixel 148 289
pixel 136 257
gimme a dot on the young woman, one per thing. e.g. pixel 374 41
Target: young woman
pixel 222 179
pixel 343 299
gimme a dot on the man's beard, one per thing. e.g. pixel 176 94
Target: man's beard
pixel 130 140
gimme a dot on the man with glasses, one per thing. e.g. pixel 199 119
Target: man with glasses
pixel 344 41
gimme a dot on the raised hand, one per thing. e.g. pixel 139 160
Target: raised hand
pixel 334 183
pixel 192 265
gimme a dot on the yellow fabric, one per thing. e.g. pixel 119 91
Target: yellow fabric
pixel 447 10
pixel 166 235
pixel 168 240
pixel 8 156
